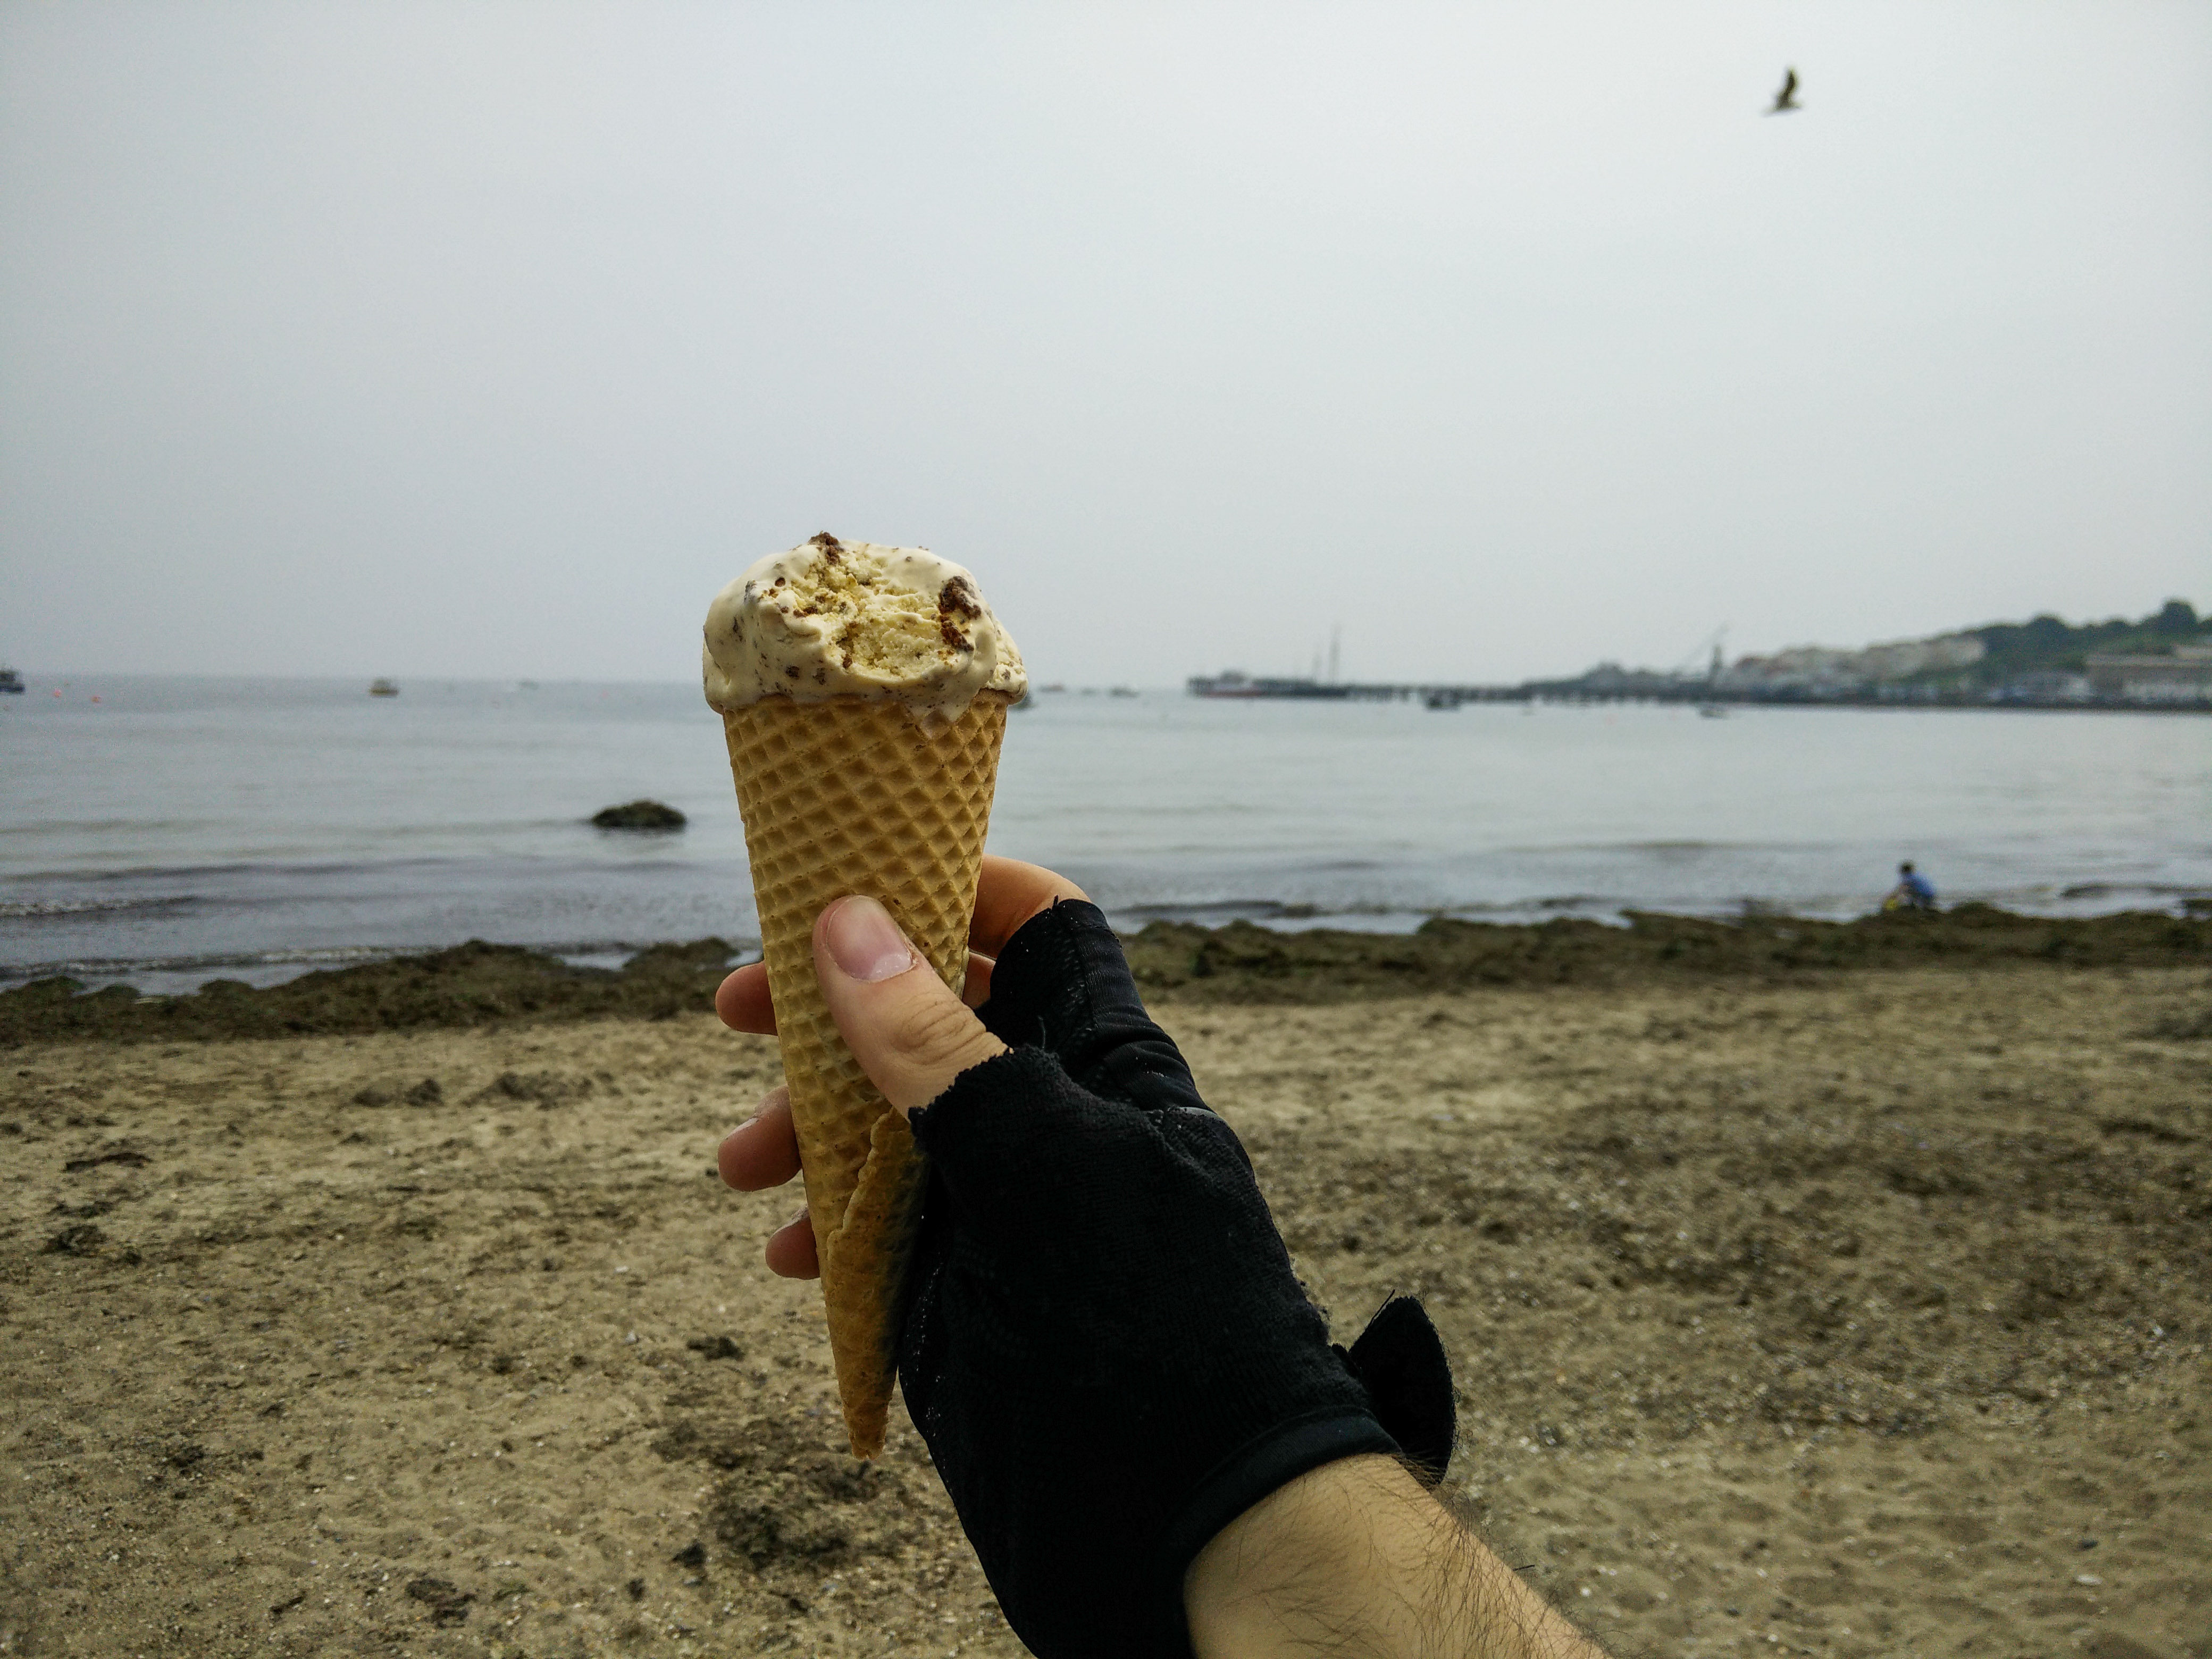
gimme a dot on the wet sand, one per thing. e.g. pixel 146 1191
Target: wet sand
pixel 1843 1313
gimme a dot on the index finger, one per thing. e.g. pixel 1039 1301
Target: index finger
pixel 742 1001
pixel 1008 893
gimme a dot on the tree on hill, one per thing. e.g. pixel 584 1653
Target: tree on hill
pixel 2051 643
pixel 2175 617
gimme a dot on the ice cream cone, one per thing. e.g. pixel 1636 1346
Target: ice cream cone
pixel 854 795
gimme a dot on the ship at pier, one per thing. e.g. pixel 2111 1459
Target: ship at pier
pixel 1235 684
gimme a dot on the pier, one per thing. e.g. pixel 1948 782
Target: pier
pixel 1701 693
pixel 1238 688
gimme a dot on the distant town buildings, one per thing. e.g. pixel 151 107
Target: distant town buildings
pixel 2183 676
pixel 2160 661
pixel 1826 671
pixel 2163 660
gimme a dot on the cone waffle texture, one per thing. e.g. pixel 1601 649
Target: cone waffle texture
pixel 852 796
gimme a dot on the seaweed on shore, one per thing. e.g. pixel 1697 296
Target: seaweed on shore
pixel 471 984
pixel 1242 963
pixel 480 984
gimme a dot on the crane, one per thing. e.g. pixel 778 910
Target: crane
pixel 1710 650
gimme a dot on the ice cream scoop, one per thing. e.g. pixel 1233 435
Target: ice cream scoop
pixel 863 691
pixel 831 619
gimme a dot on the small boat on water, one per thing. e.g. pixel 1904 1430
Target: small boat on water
pixel 11 681
pixel 384 688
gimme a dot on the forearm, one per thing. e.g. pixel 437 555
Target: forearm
pixel 1355 1559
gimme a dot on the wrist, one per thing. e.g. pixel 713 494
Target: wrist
pixel 1356 1558
pixel 1297 1574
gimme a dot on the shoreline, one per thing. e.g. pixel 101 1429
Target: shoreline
pixel 156 974
pixel 483 985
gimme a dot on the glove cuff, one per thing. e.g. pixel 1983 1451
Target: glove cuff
pixel 1248 1474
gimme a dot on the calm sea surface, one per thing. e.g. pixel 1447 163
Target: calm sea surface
pixel 162 832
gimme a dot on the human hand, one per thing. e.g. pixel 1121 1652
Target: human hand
pixel 1104 1345
pixel 763 1152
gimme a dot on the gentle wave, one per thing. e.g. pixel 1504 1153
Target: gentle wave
pixel 2158 889
pixel 272 870
pixel 43 828
pixel 1259 910
pixel 114 967
pixel 270 966
pixel 31 909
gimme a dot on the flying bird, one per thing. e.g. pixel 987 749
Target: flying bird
pixel 1786 99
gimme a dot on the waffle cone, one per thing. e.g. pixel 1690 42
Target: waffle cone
pixel 853 796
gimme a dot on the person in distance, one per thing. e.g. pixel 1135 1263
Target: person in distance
pixel 1913 891
pixel 1144 1428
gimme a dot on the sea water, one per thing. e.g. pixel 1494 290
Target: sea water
pixel 161 832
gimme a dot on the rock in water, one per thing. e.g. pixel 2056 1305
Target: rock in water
pixel 639 815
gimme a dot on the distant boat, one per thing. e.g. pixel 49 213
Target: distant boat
pixel 383 688
pixel 1235 684
pixel 1123 691
pixel 1712 711
pixel 11 681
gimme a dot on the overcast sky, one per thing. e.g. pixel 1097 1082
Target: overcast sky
pixel 492 339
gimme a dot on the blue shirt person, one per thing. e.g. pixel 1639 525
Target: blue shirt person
pixel 1913 891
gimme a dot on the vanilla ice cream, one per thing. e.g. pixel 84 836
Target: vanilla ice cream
pixel 830 619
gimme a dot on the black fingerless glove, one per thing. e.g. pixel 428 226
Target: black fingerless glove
pixel 1106 1349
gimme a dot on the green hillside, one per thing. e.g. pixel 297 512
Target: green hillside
pixel 2051 644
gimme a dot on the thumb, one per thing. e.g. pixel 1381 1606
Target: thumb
pixel 911 1035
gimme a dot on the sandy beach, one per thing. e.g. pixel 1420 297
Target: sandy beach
pixel 1855 1312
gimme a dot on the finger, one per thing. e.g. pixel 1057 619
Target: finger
pixel 764 1152
pixel 1008 893
pixel 790 1249
pixel 742 1001
pixel 911 1035
pixel 977 989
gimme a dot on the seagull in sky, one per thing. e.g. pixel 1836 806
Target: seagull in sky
pixel 1786 99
